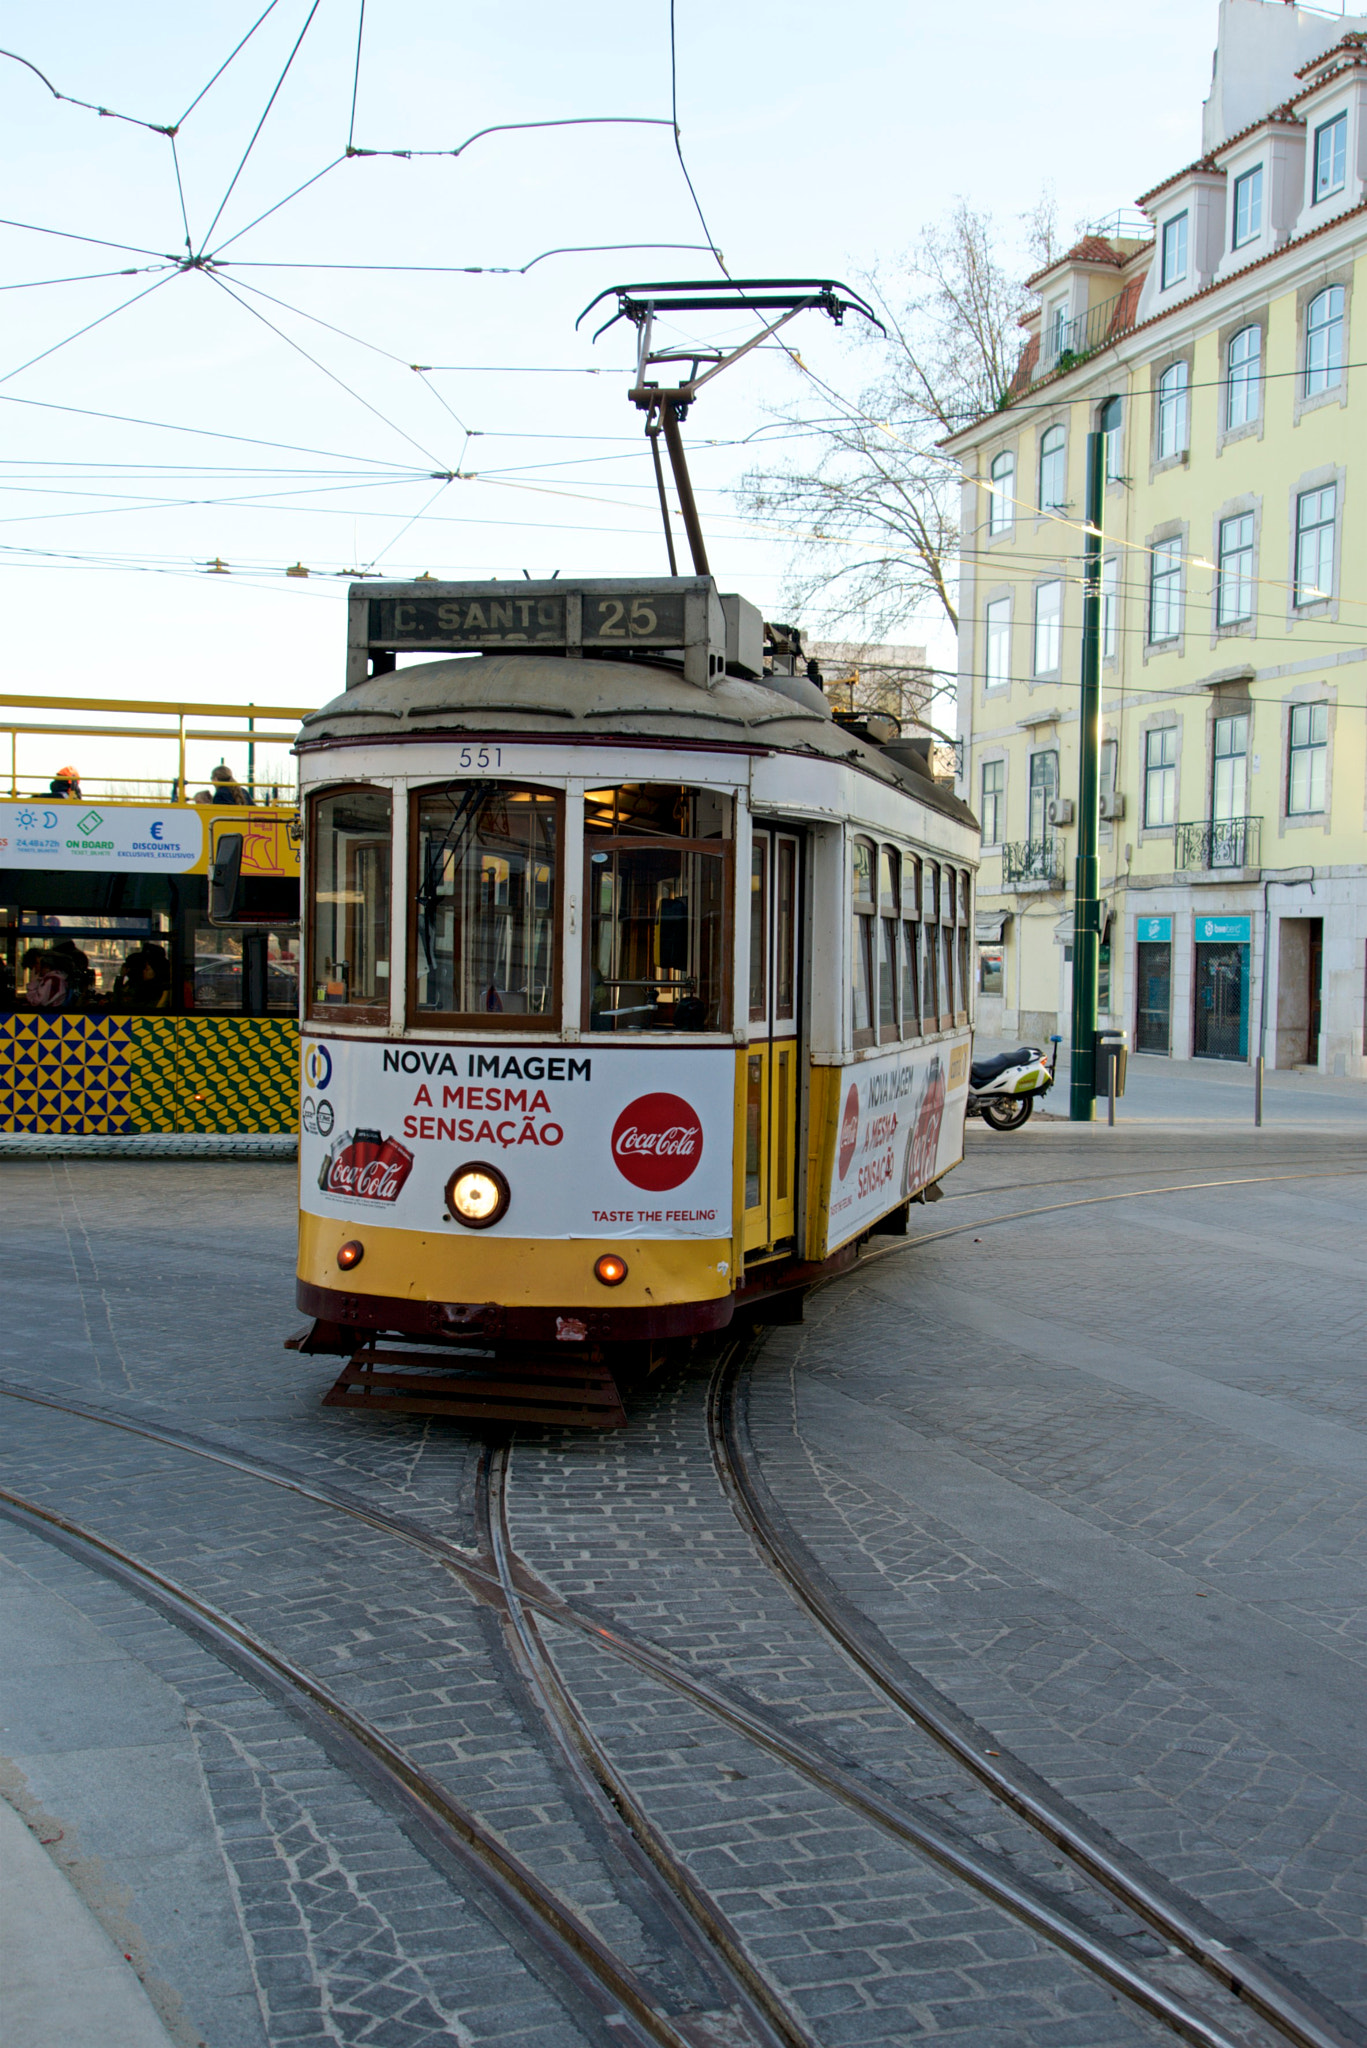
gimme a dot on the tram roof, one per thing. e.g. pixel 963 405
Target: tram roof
pixel 577 700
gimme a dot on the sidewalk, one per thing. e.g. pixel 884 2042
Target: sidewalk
pixel 1166 1091
pixel 63 1984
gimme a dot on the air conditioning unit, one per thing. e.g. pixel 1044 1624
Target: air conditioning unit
pixel 1113 806
pixel 1060 811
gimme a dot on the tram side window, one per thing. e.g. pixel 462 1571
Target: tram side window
pixel 964 914
pixel 864 917
pixel 349 906
pixel 930 946
pixel 948 996
pixel 889 917
pixel 486 946
pixel 911 947
pixel 657 863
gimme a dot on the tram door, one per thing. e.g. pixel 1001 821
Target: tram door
pixel 771 1086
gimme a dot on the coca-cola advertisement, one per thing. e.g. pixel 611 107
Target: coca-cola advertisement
pixel 595 1141
pixel 901 1125
pixel 365 1167
pixel 657 1142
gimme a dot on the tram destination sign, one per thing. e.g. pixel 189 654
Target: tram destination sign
pixel 680 615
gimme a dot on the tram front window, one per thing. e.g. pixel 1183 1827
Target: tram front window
pixel 349 894
pixel 486 941
pixel 658 862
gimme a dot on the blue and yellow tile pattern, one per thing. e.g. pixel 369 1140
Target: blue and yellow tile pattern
pixel 111 1077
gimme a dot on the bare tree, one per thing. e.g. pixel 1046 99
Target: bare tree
pixel 878 509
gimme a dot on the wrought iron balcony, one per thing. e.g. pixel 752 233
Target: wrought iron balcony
pixel 1031 860
pixel 1220 843
pixel 1068 341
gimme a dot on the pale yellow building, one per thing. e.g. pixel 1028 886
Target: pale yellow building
pixel 1228 321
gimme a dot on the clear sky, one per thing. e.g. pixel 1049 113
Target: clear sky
pixel 819 140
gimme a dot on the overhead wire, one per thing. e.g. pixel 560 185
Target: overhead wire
pixel 356 79
pixel 88 328
pixel 265 114
pixel 105 113
pixel 449 269
pixel 207 433
pixel 516 127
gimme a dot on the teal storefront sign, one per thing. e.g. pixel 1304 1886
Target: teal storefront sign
pixel 1153 931
pixel 1224 931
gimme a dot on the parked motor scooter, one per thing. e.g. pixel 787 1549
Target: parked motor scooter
pixel 1002 1091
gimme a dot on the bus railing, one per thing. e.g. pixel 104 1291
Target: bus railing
pixel 269 724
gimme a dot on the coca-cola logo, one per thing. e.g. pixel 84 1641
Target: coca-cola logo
pixel 657 1142
pixel 849 1129
pixel 367 1167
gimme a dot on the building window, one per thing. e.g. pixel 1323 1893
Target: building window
pixel 1174 250
pixel 1043 790
pixel 1114 437
pixel 1331 157
pixel 1324 341
pixel 1234 591
pixel 1052 477
pixel 994 802
pixel 1056 328
pixel 1308 754
pixel 1173 387
pixel 1110 601
pixel 1243 383
pixel 1229 769
pixel 1106 764
pixel 1248 206
pixel 1160 776
pixel 998 637
pixel 1001 500
pixel 1165 591
pixel 1048 628
pixel 1316 514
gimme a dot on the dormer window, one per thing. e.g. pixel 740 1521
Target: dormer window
pixel 1174 250
pixel 1331 157
pixel 1248 206
pixel 1057 327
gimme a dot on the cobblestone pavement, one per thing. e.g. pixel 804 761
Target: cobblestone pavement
pixel 1027 1474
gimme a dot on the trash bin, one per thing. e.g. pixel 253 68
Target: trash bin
pixel 1111 1051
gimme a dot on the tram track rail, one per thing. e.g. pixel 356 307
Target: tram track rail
pixel 1047 1914
pixel 498 1577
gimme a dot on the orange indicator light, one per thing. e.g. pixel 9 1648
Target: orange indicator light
pixel 351 1254
pixel 611 1269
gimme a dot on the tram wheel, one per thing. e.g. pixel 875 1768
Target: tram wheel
pixel 1008 1112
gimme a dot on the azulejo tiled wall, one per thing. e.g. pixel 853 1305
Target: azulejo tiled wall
pixel 116 1076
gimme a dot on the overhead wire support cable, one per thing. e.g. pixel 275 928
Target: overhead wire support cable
pixel 90 106
pixel 447 269
pixel 517 127
pixel 89 327
pixel 236 51
pixel 260 124
pixel 355 79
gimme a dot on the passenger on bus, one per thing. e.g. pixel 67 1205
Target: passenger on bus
pixel 47 987
pixel 144 982
pixel 76 967
pixel 227 788
pixel 66 782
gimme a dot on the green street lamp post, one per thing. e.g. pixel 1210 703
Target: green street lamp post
pixel 1086 901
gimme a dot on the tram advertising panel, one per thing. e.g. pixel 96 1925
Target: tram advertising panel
pixel 588 1137
pixel 901 1125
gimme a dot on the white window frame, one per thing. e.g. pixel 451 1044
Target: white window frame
pixel 1247 186
pixel 1001 493
pixel 1175 250
pixel 1165 591
pixel 1160 777
pixel 1307 759
pixel 1336 127
pixel 997 644
pixel 1053 451
pixel 1174 410
pixel 1232 783
pixel 1326 373
pixel 998 801
pixel 1110 606
pixel 1234 588
pixel 1321 534
pixel 1244 378
pixel 1048 634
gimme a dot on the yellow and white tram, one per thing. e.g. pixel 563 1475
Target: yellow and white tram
pixel 636 987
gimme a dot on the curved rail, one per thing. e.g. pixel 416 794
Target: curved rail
pixel 596 1977
pixel 984 1870
pixel 1144 1891
pixel 699 1922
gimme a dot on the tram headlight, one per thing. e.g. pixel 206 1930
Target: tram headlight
pixel 477 1195
pixel 611 1269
